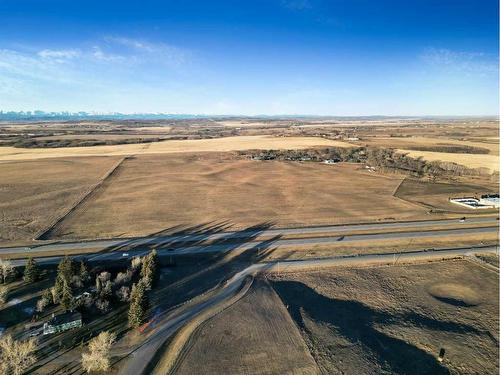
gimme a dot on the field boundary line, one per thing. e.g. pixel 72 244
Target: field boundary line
pixel 397 187
pixel 41 235
pixel 417 204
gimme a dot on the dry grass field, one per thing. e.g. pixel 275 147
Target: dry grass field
pixel 33 192
pixel 469 160
pixel 396 319
pixel 436 195
pixel 412 146
pixel 415 141
pixel 150 193
pixel 383 246
pixel 254 336
pixel 100 136
pixel 173 146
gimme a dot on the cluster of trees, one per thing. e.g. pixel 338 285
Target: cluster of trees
pixel 8 273
pixel 139 302
pixel 145 271
pixel 70 277
pixel 16 356
pixel 130 285
pixel 383 158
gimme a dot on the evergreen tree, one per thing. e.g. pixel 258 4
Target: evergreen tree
pixel 47 295
pixel 64 276
pixel 138 305
pixel 84 273
pixel 58 288
pixel 67 299
pixel 154 265
pixel 149 270
pixel 65 269
pixel 31 271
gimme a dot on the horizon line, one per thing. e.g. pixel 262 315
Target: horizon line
pixel 39 114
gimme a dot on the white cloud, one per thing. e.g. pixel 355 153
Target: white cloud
pixel 147 51
pixel 104 75
pixel 459 61
pixel 59 55
pixel 17 65
pixel 98 54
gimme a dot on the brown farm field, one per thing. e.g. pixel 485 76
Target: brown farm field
pixel 435 195
pixel 173 146
pixel 253 336
pixel 151 193
pixel 34 192
pixel 429 149
pixel 397 319
pixel 491 162
pixel 415 142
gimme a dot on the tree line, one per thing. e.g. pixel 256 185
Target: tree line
pixel 382 158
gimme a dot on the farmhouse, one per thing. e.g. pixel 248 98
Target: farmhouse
pixel 63 322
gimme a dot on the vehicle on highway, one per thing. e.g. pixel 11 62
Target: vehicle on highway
pixel 340 238
pixel 462 219
pixel 125 255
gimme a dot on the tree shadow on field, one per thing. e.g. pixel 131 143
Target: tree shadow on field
pixel 357 323
pixel 204 274
pixel 229 254
pixel 181 236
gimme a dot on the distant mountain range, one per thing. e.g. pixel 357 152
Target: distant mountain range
pixel 75 116
pixel 63 116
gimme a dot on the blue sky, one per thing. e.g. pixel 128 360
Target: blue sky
pixel 319 57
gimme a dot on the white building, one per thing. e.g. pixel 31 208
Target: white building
pixel 492 200
pixel 485 202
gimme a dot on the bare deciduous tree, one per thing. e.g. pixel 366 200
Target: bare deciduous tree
pixel 7 270
pixel 97 359
pixel 103 305
pixel 104 276
pixel 41 304
pixel 123 278
pixel 136 263
pixel 123 293
pixel 3 294
pixel 16 356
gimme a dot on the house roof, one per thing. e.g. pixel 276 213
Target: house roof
pixel 65 318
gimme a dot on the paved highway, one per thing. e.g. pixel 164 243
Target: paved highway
pixel 336 232
pixel 274 244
